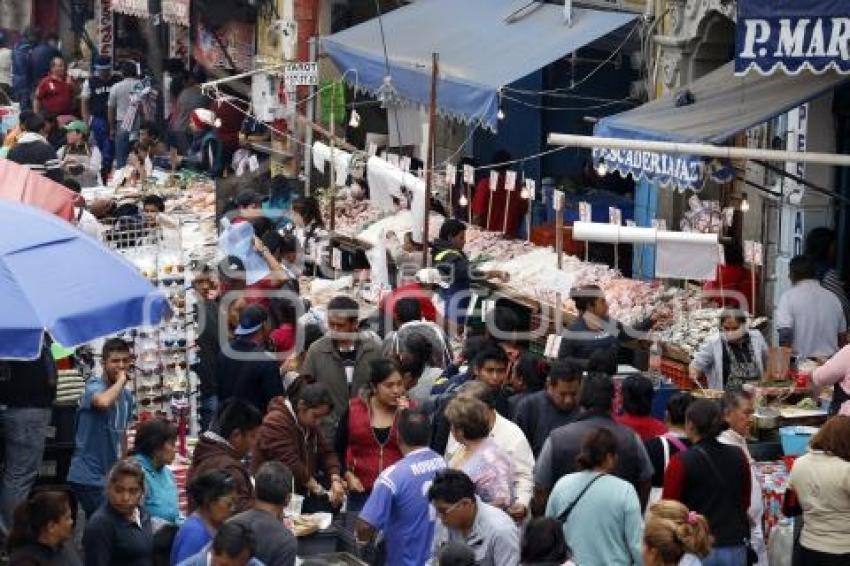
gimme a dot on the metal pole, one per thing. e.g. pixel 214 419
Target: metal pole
pixel 310 114
pixel 332 141
pixel 429 160
pixel 700 149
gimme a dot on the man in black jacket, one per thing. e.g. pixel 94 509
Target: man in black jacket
pixel 33 149
pixel 247 371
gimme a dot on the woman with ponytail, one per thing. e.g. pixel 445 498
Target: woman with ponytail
pixel 674 536
pixel 42 530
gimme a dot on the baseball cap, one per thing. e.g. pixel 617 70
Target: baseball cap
pixel 76 126
pixel 248 196
pixel 251 320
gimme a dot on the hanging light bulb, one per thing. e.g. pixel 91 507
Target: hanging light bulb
pixel 745 204
pixel 463 201
pixel 523 194
pixel 354 122
pixel 501 114
pixel 602 169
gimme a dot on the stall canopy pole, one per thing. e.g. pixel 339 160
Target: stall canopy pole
pixel 429 160
pixel 700 149
pixel 333 161
pixel 311 117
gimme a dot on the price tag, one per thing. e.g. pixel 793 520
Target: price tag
pixel 373 149
pixel 494 180
pixel 615 215
pixel 751 253
pixel 393 159
pixel 558 200
pixel 336 258
pixel 721 254
pixel 660 224
pixel 631 223
pixel 585 212
pixel 758 253
pixel 510 180
pixel 468 175
pixel 451 174
pixel 404 163
pixel 529 186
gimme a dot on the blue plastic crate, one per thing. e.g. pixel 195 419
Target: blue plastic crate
pixel 795 439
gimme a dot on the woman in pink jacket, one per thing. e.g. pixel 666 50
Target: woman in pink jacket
pixel 836 372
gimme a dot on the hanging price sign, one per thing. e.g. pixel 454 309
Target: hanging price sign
pixel 468 175
pixel 615 215
pixel 451 174
pixel 529 186
pixel 585 212
pixel 510 180
pixel 494 180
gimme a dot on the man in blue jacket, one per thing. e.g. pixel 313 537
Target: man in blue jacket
pixel 23 82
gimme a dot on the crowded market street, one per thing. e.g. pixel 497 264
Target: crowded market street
pixel 479 283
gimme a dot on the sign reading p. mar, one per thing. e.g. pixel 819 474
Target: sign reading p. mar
pixel 792 35
pixel 301 74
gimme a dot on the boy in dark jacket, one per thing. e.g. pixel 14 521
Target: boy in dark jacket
pixel 227 445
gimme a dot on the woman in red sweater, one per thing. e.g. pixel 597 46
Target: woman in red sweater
pixel 367 438
pixel 734 282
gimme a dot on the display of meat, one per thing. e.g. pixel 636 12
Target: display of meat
pixel 482 245
pixel 352 216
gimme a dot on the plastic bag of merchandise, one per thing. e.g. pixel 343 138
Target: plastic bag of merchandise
pixel 780 547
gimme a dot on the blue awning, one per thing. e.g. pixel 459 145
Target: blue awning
pixel 723 105
pixel 480 52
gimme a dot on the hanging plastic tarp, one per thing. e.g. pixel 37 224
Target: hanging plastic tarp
pixel 481 49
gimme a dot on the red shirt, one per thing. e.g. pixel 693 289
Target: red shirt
pixel 412 290
pixel 55 96
pixel 732 278
pixel 645 427
pixel 481 206
pixel 231 114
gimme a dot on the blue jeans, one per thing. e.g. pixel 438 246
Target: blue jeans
pixel 727 556
pixel 122 148
pixel 100 132
pixel 24 434
pixel 207 408
pixel 24 98
pixel 89 497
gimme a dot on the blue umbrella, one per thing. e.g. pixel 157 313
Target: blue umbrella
pixel 54 278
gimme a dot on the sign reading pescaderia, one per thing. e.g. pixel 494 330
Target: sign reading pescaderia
pixel 792 35
pixel 679 171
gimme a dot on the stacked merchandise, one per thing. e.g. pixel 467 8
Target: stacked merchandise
pixel 162 381
pixel 773 477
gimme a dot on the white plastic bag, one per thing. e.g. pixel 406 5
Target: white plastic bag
pixel 780 546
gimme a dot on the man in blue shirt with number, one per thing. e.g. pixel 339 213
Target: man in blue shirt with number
pixel 398 505
pixel 105 411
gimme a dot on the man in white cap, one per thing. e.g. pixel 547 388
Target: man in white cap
pixel 205 153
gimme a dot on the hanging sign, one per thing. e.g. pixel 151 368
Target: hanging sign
pixel 792 35
pixel 176 12
pixel 753 252
pixel 494 180
pixel 301 74
pixel 510 180
pixel 585 212
pixel 468 175
pixel 451 174
pixel 105 27
pixel 615 215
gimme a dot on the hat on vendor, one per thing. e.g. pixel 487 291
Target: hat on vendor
pixel 251 320
pixel 76 126
pixel 203 118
